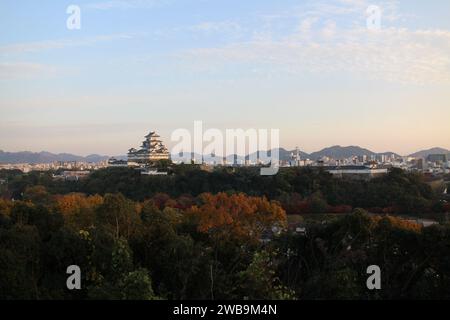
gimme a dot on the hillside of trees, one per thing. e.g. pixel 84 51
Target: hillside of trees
pixel 220 235
pixel 210 247
pixel 299 190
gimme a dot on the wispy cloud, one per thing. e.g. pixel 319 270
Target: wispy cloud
pixel 59 44
pixel 391 55
pixel 217 27
pixel 125 4
pixel 319 42
pixel 353 11
pixel 18 70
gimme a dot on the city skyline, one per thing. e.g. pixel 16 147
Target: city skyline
pixel 433 150
pixel 309 68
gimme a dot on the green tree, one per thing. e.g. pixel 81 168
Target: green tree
pixel 259 280
pixel 118 215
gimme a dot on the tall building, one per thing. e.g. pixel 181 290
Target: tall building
pixel 295 158
pixel 421 164
pixel 151 151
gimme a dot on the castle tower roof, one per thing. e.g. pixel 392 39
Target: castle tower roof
pixel 152 134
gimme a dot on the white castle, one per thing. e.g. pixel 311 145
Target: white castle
pixel 151 151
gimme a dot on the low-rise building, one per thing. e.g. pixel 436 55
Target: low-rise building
pixel 113 162
pixel 357 172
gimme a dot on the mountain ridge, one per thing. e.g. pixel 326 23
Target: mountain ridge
pixel 425 153
pixel 339 152
pixel 336 151
pixel 46 157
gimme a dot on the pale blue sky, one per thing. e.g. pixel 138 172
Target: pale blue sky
pixel 309 68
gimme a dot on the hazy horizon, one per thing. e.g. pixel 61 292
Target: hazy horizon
pixel 309 68
pixel 282 147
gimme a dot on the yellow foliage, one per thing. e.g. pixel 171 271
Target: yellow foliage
pixel 400 223
pixel 5 206
pixel 78 209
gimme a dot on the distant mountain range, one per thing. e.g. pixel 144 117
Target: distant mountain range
pixel 425 153
pixel 46 157
pixel 336 152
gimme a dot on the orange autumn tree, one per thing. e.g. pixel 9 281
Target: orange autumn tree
pixel 236 216
pixel 5 207
pixel 398 223
pixel 78 209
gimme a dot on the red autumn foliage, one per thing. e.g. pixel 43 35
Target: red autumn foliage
pixel 160 200
pixel 340 209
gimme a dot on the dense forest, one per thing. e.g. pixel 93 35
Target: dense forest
pixel 220 235
pixel 299 190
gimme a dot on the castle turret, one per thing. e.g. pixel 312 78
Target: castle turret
pixel 152 150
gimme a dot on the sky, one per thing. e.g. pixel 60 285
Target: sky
pixel 314 70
